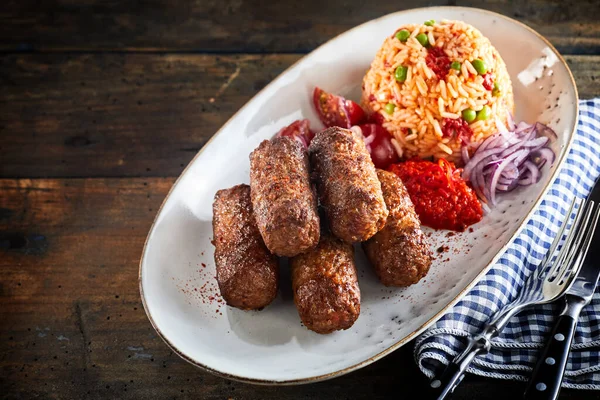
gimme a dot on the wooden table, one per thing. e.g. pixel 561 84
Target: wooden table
pixel 102 104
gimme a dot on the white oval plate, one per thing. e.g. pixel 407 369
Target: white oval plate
pixel 177 272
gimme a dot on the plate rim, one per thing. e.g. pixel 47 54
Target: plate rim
pixel 438 315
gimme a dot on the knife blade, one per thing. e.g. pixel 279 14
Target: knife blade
pixel 546 380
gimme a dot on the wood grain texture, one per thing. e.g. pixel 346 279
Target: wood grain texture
pixel 111 115
pixel 252 26
pixel 73 326
pixel 119 114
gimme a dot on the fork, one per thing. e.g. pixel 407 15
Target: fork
pixel 549 281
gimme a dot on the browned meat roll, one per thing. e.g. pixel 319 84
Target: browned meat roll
pixel 325 286
pixel 247 272
pixel 399 252
pixel 284 201
pixel 347 184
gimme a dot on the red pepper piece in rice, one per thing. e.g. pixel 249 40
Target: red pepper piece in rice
pixel 438 62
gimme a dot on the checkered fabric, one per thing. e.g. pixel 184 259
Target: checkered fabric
pixel 514 352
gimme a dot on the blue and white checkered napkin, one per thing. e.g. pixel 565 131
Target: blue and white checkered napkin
pixel 515 351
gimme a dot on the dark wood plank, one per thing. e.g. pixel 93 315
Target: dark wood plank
pixel 73 326
pixel 252 26
pixel 119 114
pixel 110 115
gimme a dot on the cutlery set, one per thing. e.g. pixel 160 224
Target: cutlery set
pixel 569 271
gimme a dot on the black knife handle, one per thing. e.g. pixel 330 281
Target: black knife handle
pixel 444 386
pixel 548 373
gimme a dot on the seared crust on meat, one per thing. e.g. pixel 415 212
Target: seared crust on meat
pixel 247 272
pixel 347 184
pixel 284 200
pixel 325 286
pixel 399 253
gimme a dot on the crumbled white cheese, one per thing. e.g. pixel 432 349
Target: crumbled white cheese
pixel 535 69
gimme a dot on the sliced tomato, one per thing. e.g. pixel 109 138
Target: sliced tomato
pixel 355 113
pixel 376 118
pixel 299 130
pixel 379 143
pixel 337 111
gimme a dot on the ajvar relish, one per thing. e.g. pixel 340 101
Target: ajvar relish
pixel 442 199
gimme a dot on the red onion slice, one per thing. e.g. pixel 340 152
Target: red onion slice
pixel 478 157
pixel 478 181
pixel 522 127
pixel 532 177
pixel 507 187
pixel 465 154
pixel 543 155
pixel 501 167
pixel 510 122
pixel 545 130
pixel 510 159
pixel 511 172
pixel 491 141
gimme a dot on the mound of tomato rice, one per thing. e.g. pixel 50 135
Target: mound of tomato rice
pixel 436 86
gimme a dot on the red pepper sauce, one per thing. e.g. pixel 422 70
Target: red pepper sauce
pixel 442 199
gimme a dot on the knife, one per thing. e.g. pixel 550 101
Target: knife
pixel 548 374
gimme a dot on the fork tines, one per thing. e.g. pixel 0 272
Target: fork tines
pixel 573 237
pixel 579 241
